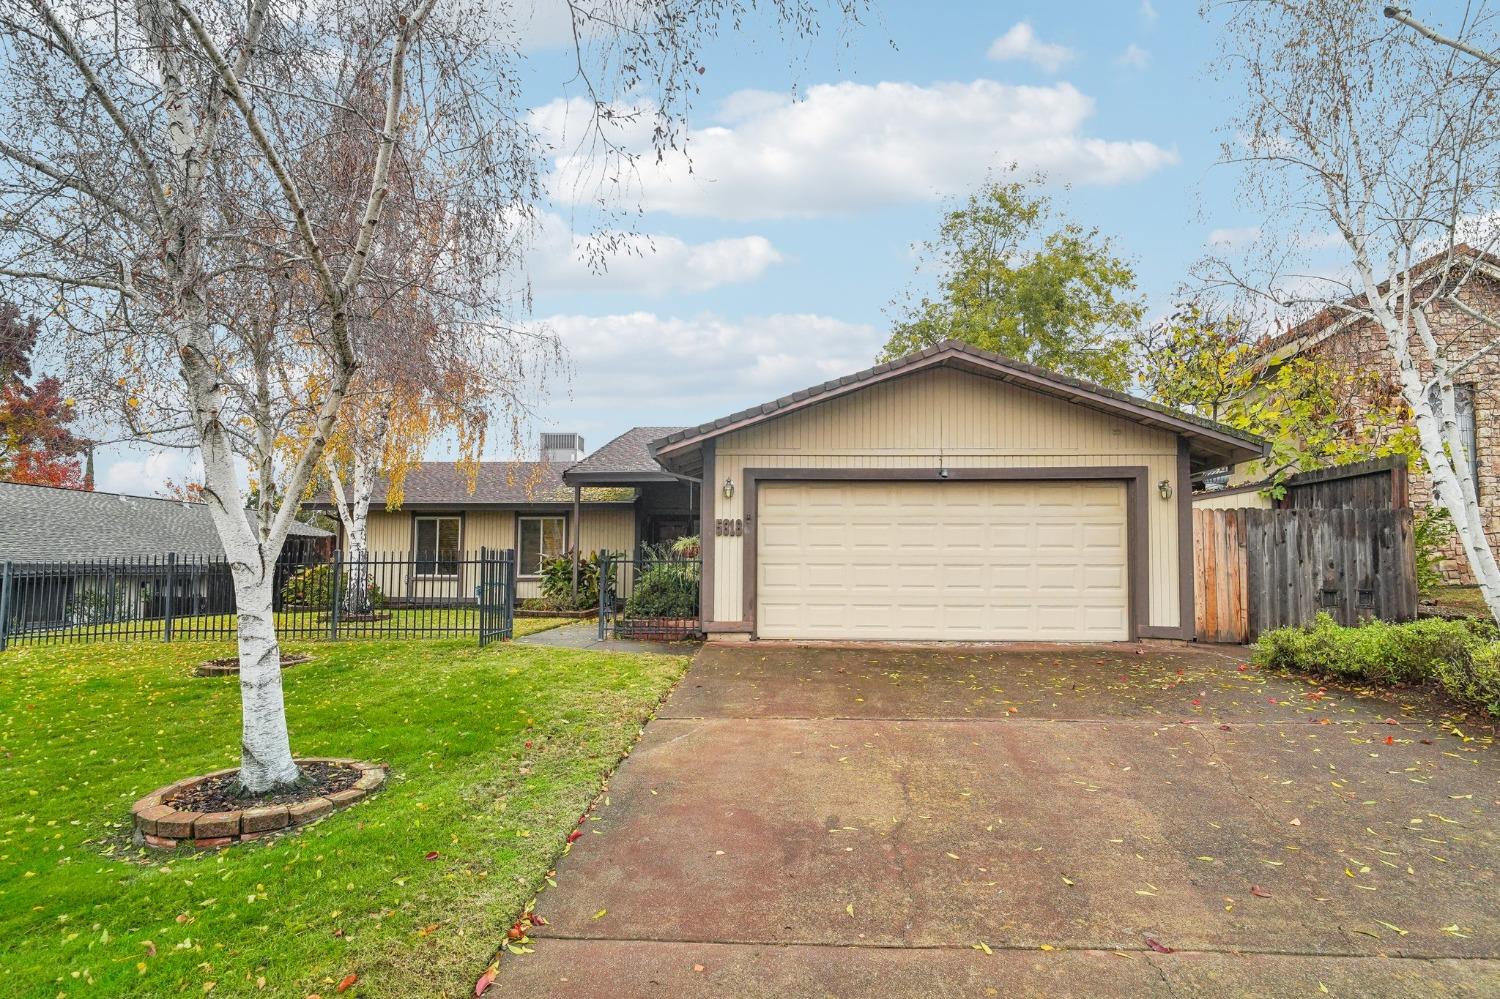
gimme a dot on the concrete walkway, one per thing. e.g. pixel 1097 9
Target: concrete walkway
pixel 585 635
pixel 1063 821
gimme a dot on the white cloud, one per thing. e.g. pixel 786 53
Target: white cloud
pixel 147 474
pixel 1021 42
pixel 1135 57
pixel 645 368
pixel 1148 10
pixel 1233 238
pixel 850 147
pixel 650 264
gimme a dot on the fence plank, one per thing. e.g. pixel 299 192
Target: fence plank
pixel 1262 569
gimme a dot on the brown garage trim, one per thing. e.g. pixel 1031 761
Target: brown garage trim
pixel 1187 620
pixel 1135 478
pixel 708 491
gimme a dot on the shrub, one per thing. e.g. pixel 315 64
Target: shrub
pixel 310 587
pixel 1431 531
pixel 557 582
pixel 1475 678
pixel 1461 655
pixel 667 585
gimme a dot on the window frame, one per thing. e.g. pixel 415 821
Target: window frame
pixel 437 561
pixel 520 520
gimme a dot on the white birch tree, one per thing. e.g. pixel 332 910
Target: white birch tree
pixel 1355 127
pixel 200 276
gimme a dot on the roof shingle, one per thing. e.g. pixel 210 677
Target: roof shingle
pixel 47 524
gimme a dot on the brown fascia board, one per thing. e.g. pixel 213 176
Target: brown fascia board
pixel 1231 446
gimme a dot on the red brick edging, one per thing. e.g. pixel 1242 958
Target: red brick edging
pixel 164 827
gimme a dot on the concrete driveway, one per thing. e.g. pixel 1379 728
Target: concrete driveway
pixel 1056 820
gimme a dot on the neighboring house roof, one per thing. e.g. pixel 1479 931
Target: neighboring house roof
pixel 443 484
pixel 1333 319
pixel 47 524
pixel 1213 442
pixel 627 458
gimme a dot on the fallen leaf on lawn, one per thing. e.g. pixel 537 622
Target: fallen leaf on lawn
pixel 150 948
pixel 487 979
pixel 432 855
pixel 346 982
pixel 1159 947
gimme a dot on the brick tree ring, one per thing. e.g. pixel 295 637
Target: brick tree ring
pixel 166 818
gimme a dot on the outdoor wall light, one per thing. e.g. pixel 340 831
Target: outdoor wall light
pixel 1165 488
pixel 729 489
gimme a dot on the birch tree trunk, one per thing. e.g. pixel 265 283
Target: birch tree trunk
pixel 265 746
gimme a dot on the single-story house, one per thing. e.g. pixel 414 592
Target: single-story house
pixel 950 495
pixel 80 555
pixel 427 550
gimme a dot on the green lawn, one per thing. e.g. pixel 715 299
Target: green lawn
pixel 494 753
pixel 426 622
pixel 1466 599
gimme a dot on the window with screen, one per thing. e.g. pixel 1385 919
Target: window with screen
pixel 437 546
pixel 540 538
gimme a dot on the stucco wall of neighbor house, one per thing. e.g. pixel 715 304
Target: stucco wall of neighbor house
pixel 390 534
pixel 1364 345
pixel 1250 499
pixel 948 418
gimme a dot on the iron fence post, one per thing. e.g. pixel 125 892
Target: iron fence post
pixel 5 584
pixel 509 568
pixel 335 572
pixel 604 571
pixel 171 590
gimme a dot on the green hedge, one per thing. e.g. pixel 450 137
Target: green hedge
pixel 1462 656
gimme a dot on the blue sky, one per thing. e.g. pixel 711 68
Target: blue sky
pixel 816 171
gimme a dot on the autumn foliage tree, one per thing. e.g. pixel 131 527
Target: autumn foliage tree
pixel 162 201
pixel 1314 411
pixel 36 444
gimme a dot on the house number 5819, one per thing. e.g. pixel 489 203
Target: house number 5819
pixel 726 527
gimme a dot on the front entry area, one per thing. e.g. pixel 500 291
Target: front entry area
pixel 943 560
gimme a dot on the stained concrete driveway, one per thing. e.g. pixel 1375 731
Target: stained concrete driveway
pixel 1059 821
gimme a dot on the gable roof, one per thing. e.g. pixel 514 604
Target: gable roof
pixel 627 458
pixel 48 524
pixel 1334 319
pixel 1210 442
pixel 443 484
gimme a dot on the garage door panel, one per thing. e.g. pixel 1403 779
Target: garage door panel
pixel 962 560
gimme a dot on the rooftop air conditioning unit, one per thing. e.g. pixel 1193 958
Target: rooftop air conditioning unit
pixel 562 447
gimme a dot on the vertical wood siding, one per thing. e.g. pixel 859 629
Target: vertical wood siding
pixel 947 418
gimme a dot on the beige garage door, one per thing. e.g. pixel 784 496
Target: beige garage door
pixel 948 561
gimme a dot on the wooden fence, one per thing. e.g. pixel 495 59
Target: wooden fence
pixel 1254 570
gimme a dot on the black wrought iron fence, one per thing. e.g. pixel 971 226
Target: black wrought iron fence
pixel 648 597
pixel 167 597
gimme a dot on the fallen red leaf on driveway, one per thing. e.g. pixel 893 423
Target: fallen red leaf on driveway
pixel 1159 947
pixel 1259 892
pixel 487 979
